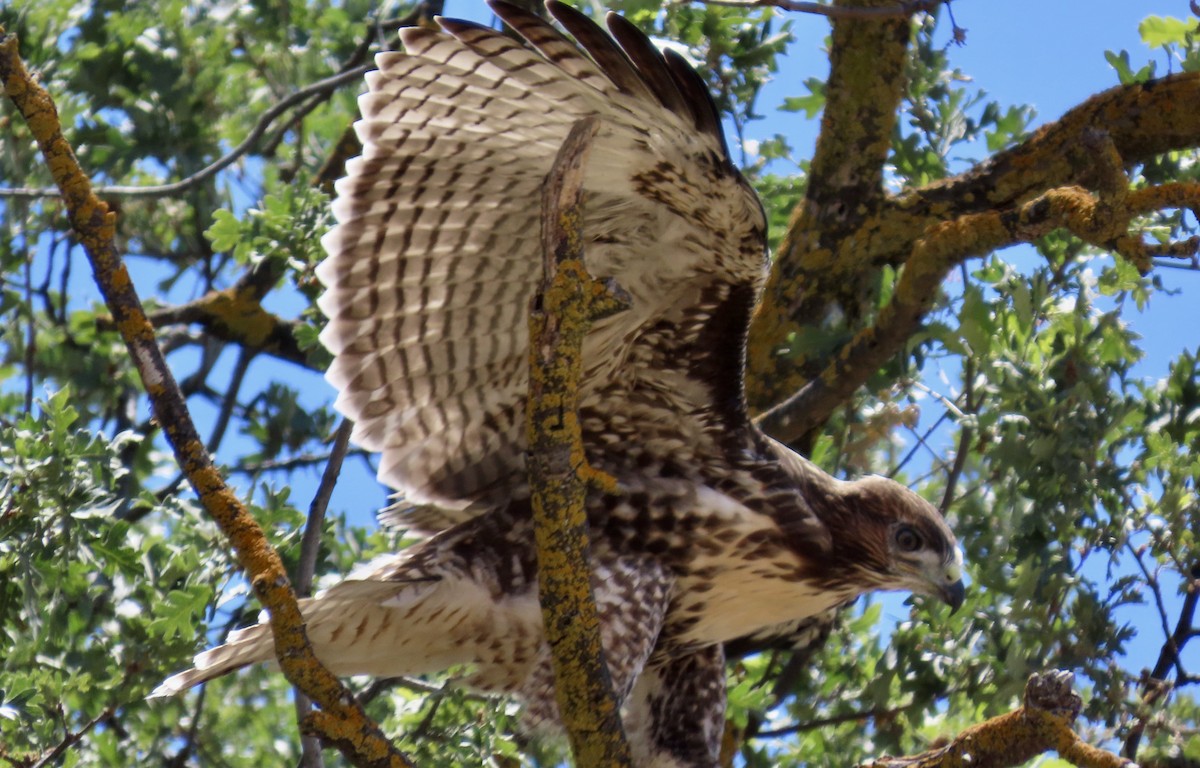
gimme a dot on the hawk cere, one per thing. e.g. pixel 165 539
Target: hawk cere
pixel 714 532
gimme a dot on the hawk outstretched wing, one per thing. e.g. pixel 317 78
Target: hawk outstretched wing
pixel 711 531
pixel 436 253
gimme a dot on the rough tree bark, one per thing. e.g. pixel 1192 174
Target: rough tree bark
pixel 1069 174
pixel 565 307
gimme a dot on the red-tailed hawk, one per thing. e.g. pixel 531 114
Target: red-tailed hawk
pixel 715 532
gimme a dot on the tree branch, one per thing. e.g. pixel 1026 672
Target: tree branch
pixel 235 314
pixel 310 547
pixel 568 302
pixel 70 740
pixel 1085 150
pixel 221 163
pixel 1102 220
pixel 341 720
pixel 1044 723
pixel 1155 684
pixel 845 184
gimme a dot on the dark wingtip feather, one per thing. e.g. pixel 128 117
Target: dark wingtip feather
pixel 649 62
pixel 457 27
pixel 700 100
pixel 627 58
pixel 602 48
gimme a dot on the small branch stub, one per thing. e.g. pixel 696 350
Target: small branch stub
pixel 569 301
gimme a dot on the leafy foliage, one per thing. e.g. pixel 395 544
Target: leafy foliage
pixel 1070 479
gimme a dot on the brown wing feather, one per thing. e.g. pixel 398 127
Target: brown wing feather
pixel 697 95
pixel 436 253
pixel 650 64
pixel 602 48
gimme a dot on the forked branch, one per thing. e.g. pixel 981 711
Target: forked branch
pixel 1105 219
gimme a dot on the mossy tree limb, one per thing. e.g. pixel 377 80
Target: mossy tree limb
pixel 569 301
pixel 845 185
pixel 341 721
pixel 1100 220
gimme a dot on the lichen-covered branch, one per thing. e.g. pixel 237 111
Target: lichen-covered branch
pixel 845 185
pixel 1043 724
pixel 569 301
pixel 1101 220
pixel 236 314
pixel 341 720
pixel 1070 174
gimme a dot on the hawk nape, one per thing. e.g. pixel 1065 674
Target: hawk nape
pixel 716 532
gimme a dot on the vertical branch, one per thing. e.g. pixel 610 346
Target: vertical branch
pixel 310 546
pixel 567 304
pixel 819 265
pixel 1155 685
pixel 341 719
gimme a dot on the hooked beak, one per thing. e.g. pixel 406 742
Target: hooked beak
pixel 952 590
pixel 945 582
pixel 953 595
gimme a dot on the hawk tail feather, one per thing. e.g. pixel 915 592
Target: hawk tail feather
pixel 243 648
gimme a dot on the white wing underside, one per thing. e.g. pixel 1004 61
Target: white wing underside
pixel 437 253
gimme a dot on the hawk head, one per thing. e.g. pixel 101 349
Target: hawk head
pixel 899 541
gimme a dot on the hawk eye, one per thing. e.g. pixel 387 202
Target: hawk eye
pixel 907 539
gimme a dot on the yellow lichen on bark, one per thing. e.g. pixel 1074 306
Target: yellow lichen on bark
pixel 845 181
pixel 569 302
pixel 559 478
pixel 241 308
pixel 1069 174
pixel 1042 724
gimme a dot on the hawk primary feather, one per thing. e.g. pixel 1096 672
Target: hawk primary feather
pixel 715 532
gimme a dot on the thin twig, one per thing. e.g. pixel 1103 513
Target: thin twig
pixel 290 463
pixel 1154 686
pixel 248 143
pixel 900 10
pixel 180 758
pixel 823 722
pixel 922 442
pixel 71 739
pixel 31 328
pixel 967 434
pixel 1155 589
pixel 229 402
pixel 310 545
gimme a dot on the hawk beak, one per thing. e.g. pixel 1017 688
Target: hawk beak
pixel 953 595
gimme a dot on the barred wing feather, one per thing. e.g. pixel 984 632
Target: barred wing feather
pixel 436 253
